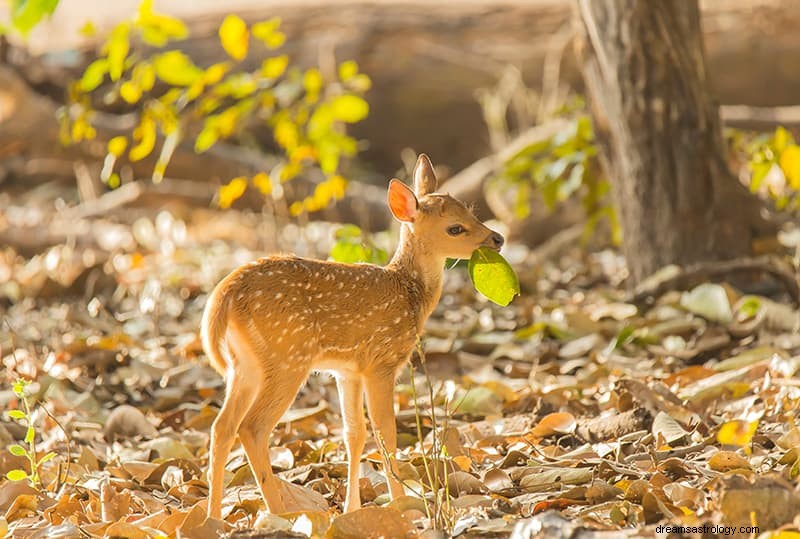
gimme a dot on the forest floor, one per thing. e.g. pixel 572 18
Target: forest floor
pixel 574 412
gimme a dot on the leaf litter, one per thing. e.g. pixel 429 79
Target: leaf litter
pixel 569 410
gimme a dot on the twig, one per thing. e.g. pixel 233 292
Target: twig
pixel 744 115
pixel 59 482
pixel 106 203
pixel 684 278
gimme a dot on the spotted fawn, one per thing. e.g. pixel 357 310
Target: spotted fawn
pixel 268 324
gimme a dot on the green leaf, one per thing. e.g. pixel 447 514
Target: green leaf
pixel 234 37
pixel 17 475
pixel 349 108
pixel 760 171
pixel 93 75
pixel 26 14
pixel 29 434
pixel 16 414
pixel 175 68
pixel 19 388
pixel 17 450
pixel 493 276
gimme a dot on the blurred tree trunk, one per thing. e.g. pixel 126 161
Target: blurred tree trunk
pixel 660 135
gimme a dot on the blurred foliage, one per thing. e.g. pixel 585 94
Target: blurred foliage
pixel 175 100
pixel 353 246
pixel 24 15
pixel 558 168
pixel 773 161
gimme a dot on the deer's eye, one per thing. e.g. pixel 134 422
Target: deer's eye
pixel 455 230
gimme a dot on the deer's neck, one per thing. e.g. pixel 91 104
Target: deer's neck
pixel 418 263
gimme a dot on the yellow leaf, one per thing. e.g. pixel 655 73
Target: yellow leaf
pixel 93 75
pixel 360 83
pixel 781 139
pixel 263 183
pixel 145 75
pixel 118 46
pixel 175 68
pixel 286 134
pixel 88 29
pixel 289 171
pixel 348 70
pixel 554 423
pixel 301 153
pixel 234 36
pixel 790 164
pixel 463 462
pixel 130 91
pixel 117 145
pixel 268 33
pixel 725 461
pixel 158 29
pixel 145 133
pixel 274 67
pixel 349 108
pixel 312 81
pixel 739 433
pixel 338 186
pixel 231 191
pixel 214 73
pixel 207 136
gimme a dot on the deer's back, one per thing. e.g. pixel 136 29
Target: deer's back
pixel 331 315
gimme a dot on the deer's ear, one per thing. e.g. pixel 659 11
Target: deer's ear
pixel 402 201
pixel 424 177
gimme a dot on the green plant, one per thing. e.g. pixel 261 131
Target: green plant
pixel 27 448
pixel 24 15
pixel 773 161
pixel 176 100
pixel 353 246
pixel 558 168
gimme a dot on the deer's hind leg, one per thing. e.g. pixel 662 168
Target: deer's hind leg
pixel 278 390
pixel 240 393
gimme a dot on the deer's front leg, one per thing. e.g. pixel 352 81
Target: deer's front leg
pixel 351 397
pixel 380 403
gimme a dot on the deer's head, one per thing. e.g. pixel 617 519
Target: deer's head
pixel 443 224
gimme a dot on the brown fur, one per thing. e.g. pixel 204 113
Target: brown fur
pixel 269 323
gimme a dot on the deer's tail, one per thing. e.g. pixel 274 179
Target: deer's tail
pixel 213 327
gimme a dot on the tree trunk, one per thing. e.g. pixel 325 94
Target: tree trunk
pixel 660 135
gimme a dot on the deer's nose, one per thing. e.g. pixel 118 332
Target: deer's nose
pixel 496 240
